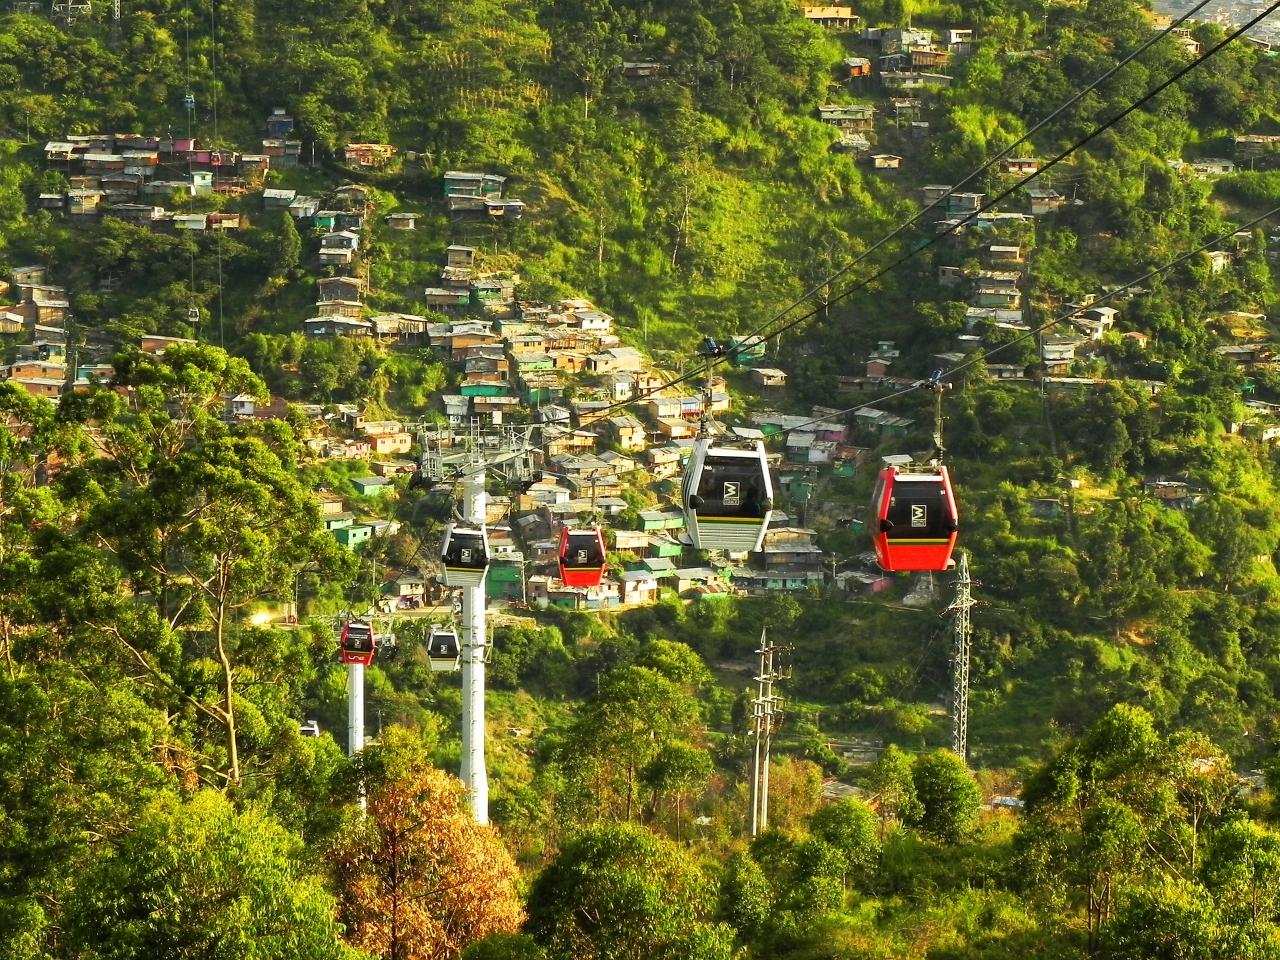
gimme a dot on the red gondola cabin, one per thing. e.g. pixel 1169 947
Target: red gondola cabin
pixel 914 519
pixel 358 644
pixel 582 557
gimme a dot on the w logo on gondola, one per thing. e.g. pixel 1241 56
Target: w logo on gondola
pixel 919 515
pixel 582 557
pixel 465 555
pixel 732 493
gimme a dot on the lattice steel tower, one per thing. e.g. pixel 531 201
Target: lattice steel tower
pixel 962 630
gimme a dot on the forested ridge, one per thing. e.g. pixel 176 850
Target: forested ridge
pixel 171 574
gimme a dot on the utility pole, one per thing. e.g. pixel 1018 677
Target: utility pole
pixel 766 716
pixel 470 455
pixel 962 630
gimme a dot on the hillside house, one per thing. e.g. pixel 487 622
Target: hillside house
pixel 1252 145
pixel 849 116
pixel 282 153
pixel 1177 493
pixel 1005 253
pixel 1044 200
pixel 855 68
pixel 996 292
pixel 792 552
pixel 279 123
pixel 627 432
pixel 336 327
pixel 1019 166
pixel 666 461
pixel 460 183
pixel 1059 352
pixel 385 444
pixel 911 80
pixel 959 40
pixel 616 359
pixel 1219 260
pixel 885 161
pixel 675 429
pixel 340 288
pixel 882 423
pixel 48 388
pixel 157 345
pixel 368 155
pixel 878 366
pixel 277 199
pixel 906 109
pixel 337 256
pixel 591 321
pixel 1096 321
pixel 831 18
pixel 641 72
pixel 963 204
pixel 768 378
pixel 447 301
pixel 897 39
pixel 927 58
pixel 1244 354
pixel 304 208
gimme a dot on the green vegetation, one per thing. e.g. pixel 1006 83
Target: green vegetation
pixel 156 796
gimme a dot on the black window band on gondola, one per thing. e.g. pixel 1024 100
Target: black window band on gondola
pixel 919 511
pixel 731 490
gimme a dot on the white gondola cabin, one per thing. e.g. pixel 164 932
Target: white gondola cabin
pixel 465 556
pixel 443 650
pixel 728 497
pixel 358 642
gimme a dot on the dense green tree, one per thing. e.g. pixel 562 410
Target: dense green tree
pixel 850 827
pixel 949 797
pixel 746 898
pixel 619 893
pixel 202 880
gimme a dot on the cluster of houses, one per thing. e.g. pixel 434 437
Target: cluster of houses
pixel 125 174
pixel 911 62
pixel 35 323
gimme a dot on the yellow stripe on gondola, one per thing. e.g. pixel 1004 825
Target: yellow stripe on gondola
pixel 755 522
pixel 582 569
pixel 903 540
pixel 467 569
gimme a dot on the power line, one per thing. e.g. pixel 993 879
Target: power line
pixel 1006 152
pixel 1108 295
pixel 1093 134
pixel 951 228
pixel 1034 331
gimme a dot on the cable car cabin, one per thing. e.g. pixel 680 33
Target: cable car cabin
pixel 914 519
pixel 465 556
pixel 358 643
pixel 443 650
pixel 582 557
pixel 728 497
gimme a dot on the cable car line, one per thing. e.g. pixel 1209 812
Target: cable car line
pixel 861 284
pixel 1097 131
pixel 1028 334
pixel 983 356
pixel 992 161
pixel 727 492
